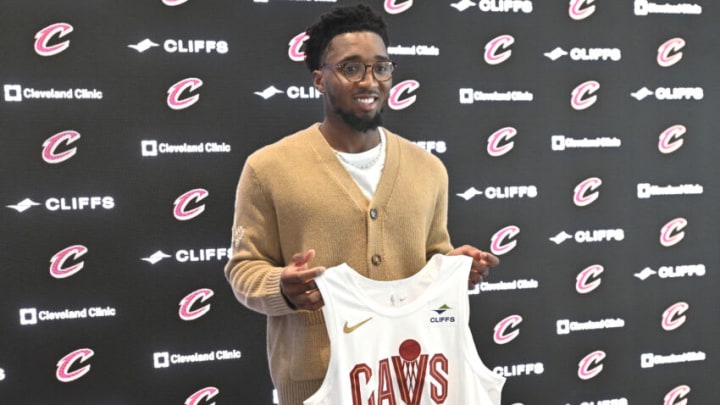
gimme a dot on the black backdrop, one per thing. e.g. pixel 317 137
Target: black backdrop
pixel 113 239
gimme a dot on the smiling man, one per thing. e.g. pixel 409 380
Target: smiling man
pixel 345 190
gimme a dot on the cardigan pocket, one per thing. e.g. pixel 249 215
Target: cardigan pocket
pixel 310 348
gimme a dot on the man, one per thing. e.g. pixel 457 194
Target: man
pixel 344 190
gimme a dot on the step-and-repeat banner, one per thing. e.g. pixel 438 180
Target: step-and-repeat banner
pixel 580 137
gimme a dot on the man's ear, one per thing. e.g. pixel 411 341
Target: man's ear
pixel 318 82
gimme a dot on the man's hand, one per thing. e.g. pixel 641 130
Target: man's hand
pixel 297 282
pixel 482 261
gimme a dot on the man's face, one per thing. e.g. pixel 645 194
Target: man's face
pixel 359 104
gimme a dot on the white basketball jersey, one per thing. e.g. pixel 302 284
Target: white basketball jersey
pixel 403 342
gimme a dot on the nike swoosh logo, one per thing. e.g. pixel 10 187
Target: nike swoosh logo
pixel 350 329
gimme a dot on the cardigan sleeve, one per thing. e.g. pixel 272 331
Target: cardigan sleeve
pixel 256 262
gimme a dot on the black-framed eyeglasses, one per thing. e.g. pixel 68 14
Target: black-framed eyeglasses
pixel 355 71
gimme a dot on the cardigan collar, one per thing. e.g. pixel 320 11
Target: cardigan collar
pixel 326 157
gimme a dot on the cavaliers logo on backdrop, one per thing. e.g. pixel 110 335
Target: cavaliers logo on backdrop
pixel 173 3
pixel 581 9
pixel 409 371
pixel 677 396
pixel 674 316
pixel 671 139
pixel 182 204
pixel 202 396
pixel 497 50
pixel 296 52
pixel 178 98
pixel 583 96
pixel 507 330
pixel 586 192
pixel 589 279
pixel 46 39
pixel 504 240
pixel 591 365
pixel 672 232
pixel 397 6
pixel 70 367
pixel 499 142
pixel 59 263
pixel 186 312
pixel 396 100
pixel 669 52
pixel 52 147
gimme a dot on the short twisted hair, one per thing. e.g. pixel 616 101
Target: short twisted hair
pixel 341 20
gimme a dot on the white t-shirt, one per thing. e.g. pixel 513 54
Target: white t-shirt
pixel 366 167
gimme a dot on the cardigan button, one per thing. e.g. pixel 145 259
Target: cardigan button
pixel 373 213
pixel 376 259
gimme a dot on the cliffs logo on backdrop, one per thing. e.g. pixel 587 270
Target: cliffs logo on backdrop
pixel 586 54
pixel 397 100
pixel 496 6
pixel 190 255
pixel 60 266
pixel 71 368
pixel 507 330
pixel 673 232
pixel 591 365
pixel 677 396
pixel 292 92
pixel 178 97
pixel 583 96
pixel 669 53
pixel 499 142
pixel 590 236
pixel 678 271
pixel 186 311
pixel 674 316
pixel 645 7
pixel 182 205
pixel 17 93
pixel 589 279
pixel 504 240
pixel 671 139
pixel 397 6
pixel 45 38
pixel 500 192
pixel 67 204
pixel 670 93
pixel 202 396
pixel 497 50
pixel 438 147
pixel 184 46
pixel 52 147
pixel 586 192
pixel 581 9
pixel 518 370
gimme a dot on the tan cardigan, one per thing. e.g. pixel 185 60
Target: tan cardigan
pixel 295 195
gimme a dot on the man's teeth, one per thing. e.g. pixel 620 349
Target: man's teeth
pixel 368 100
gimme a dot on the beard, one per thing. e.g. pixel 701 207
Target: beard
pixel 360 124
